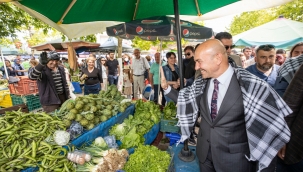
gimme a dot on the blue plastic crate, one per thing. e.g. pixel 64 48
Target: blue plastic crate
pixel 77 87
pixel 173 138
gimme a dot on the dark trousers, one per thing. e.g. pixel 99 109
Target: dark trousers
pixel 282 167
pixel 52 108
pixel 208 165
pixel 112 79
pixel 92 89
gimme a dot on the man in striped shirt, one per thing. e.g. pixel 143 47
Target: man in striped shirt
pixel 51 80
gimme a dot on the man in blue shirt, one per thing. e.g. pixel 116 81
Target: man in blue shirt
pixel 265 67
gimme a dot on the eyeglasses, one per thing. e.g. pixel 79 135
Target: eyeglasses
pixel 229 47
pixel 188 54
pixel 103 60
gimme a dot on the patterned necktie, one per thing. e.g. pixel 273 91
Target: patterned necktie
pixel 214 99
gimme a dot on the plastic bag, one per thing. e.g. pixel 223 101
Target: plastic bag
pixel 75 130
pixel 111 141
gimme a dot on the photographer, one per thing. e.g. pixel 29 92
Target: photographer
pixel 51 80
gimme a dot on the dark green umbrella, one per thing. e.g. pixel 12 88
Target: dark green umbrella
pixel 161 28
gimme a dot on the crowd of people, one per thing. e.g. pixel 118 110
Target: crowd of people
pixel 249 103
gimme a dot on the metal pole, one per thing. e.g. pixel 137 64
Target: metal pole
pixel 185 154
pixel 160 64
pixel 179 46
pixel 2 58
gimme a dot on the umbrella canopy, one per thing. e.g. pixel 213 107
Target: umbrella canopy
pixel 162 26
pixel 112 44
pixel 9 51
pixel 80 18
pixel 281 32
pixel 59 45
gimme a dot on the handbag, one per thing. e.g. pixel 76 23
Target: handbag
pixel 13 79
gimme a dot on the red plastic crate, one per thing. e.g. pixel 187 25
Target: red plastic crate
pixel 24 87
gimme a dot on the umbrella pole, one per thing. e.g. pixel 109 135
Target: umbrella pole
pixel 185 154
pixel 2 58
pixel 160 64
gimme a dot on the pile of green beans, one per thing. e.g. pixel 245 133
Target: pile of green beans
pixel 23 142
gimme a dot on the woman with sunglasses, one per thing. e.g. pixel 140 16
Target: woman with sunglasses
pixel 288 69
pixel 171 72
pixel 189 65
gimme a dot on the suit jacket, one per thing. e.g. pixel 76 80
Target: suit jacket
pixel 294 99
pixel 225 137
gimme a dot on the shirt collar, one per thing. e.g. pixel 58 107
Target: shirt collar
pixel 225 77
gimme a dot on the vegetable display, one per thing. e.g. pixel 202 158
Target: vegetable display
pixel 24 142
pixel 148 159
pixel 170 111
pixel 131 131
pixel 92 109
pixel 102 159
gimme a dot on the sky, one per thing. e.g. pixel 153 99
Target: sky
pixel 219 24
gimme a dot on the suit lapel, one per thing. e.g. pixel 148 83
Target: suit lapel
pixel 204 104
pixel 232 95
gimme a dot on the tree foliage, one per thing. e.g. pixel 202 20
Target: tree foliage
pixel 14 20
pixel 248 20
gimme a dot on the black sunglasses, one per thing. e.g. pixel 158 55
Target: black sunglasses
pixel 188 54
pixel 229 47
pixel 103 60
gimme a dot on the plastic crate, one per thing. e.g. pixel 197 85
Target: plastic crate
pixel 169 126
pixel 173 138
pixel 24 87
pixel 32 101
pixel 5 99
pixel 17 100
pixel 77 87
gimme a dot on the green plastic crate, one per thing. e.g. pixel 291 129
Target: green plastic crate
pixel 169 126
pixel 17 100
pixel 32 101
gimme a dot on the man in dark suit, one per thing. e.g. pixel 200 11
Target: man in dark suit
pixel 222 141
pixel 291 155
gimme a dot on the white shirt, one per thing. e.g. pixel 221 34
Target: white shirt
pixel 104 75
pixel 224 81
pixel 139 66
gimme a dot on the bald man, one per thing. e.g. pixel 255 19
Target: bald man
pixel 242 116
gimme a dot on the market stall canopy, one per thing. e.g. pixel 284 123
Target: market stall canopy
pixel 282 33
pixel 9 51
pixel 59 45
pixel 112 44
pixel 81 18
pixel 161 27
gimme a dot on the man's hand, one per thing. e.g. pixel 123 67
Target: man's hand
pixel 281 152
pixel 43 58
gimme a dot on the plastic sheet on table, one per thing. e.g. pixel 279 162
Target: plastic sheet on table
pixel 103 128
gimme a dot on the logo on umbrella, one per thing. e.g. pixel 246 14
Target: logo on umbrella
pixel 116 32
pixel 186 32
pixel 139 30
